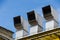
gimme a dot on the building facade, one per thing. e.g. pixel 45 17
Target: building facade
pixel 5 34
pixel 47 35
pixel 36 23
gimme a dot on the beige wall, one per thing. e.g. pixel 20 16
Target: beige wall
pixel 6 33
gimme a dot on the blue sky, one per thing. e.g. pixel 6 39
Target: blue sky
pixel 12 8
